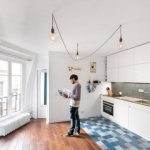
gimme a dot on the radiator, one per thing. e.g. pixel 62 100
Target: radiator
pixel 13 123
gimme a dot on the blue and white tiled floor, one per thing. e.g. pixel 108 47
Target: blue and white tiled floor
pixel 111 136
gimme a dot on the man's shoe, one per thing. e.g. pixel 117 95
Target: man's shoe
pixel 68 134
pixel 77 133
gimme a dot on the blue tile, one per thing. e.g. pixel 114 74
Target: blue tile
pixel 119 147
pixel 108 136
pixel 111 136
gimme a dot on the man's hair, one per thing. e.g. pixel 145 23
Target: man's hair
pixel 74 76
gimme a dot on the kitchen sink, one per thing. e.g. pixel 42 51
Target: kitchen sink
pixel 144 102
pixel 127 98
pixel 133 99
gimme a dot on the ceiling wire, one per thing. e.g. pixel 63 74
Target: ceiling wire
pixel 135 46
pixel 63 39
pixel 97 49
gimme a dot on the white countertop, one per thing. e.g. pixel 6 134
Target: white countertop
pixel 132 99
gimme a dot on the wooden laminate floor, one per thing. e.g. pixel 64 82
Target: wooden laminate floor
pixel 38 135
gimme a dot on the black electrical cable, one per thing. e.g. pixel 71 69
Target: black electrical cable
pixel 135 46
pixel 62 39
pixel 97 49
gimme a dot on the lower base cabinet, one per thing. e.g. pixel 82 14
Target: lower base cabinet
pixel 132 116
pixel 139 120
pixel 121 112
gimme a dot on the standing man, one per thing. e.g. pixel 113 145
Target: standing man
pixel 74 106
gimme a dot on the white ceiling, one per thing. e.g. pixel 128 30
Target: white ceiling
pixel 27 23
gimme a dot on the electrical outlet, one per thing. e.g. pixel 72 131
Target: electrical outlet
pixel 141 90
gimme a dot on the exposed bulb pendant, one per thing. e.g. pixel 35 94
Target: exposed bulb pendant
pixel 120 42
pixel 77 54
pixel 53 35
pixel 120 39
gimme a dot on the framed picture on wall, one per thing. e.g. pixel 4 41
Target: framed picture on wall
pixel 93 67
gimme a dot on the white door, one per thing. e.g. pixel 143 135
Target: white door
pixel 42 93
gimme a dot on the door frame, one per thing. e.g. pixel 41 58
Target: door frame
pixel 41 109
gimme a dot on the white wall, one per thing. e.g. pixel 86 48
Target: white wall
pixel 31 91
pixel 59 79
pixel 32 71
pixel 42 60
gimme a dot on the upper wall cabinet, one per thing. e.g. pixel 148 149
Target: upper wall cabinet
pixel 130 66
pixel 112 74
pixel 142 73
pixel 142 54
pixel 112 68
pixel 125 74
pixel 120 67
pixel 125 58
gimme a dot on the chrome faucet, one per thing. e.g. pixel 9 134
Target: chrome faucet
pixel 140 91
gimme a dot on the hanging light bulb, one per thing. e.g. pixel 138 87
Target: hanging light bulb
pixel 77 54
pixel 121 45
pixel 53 36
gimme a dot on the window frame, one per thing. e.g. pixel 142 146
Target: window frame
pixel 11 60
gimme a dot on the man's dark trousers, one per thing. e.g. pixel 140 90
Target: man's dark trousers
pixel 75 120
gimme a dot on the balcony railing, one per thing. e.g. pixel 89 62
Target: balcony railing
pixel 3 106
pixel 16 102
pixel 13 105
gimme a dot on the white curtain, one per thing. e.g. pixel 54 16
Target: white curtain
pixel 30 100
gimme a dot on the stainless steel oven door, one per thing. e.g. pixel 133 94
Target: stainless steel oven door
pixel 108 108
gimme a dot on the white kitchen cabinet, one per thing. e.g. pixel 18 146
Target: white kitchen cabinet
pixel 125 74
pixel 120 74
pixel 139 120
pixel 130 66
pixel 142 54
pixel 135 117
pixel 121 112
pixel 120 67
pixel 112 61
pixel 142 73
pixel 110 100
pixel 112 74
pixel 125 58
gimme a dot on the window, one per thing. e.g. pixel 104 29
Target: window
pixel 3 88
pixel 16 78
pixel 10 87
pixel 43 88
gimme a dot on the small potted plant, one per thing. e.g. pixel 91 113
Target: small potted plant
pixel 109 91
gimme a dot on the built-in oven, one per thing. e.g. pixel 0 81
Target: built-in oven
pixel 108 108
